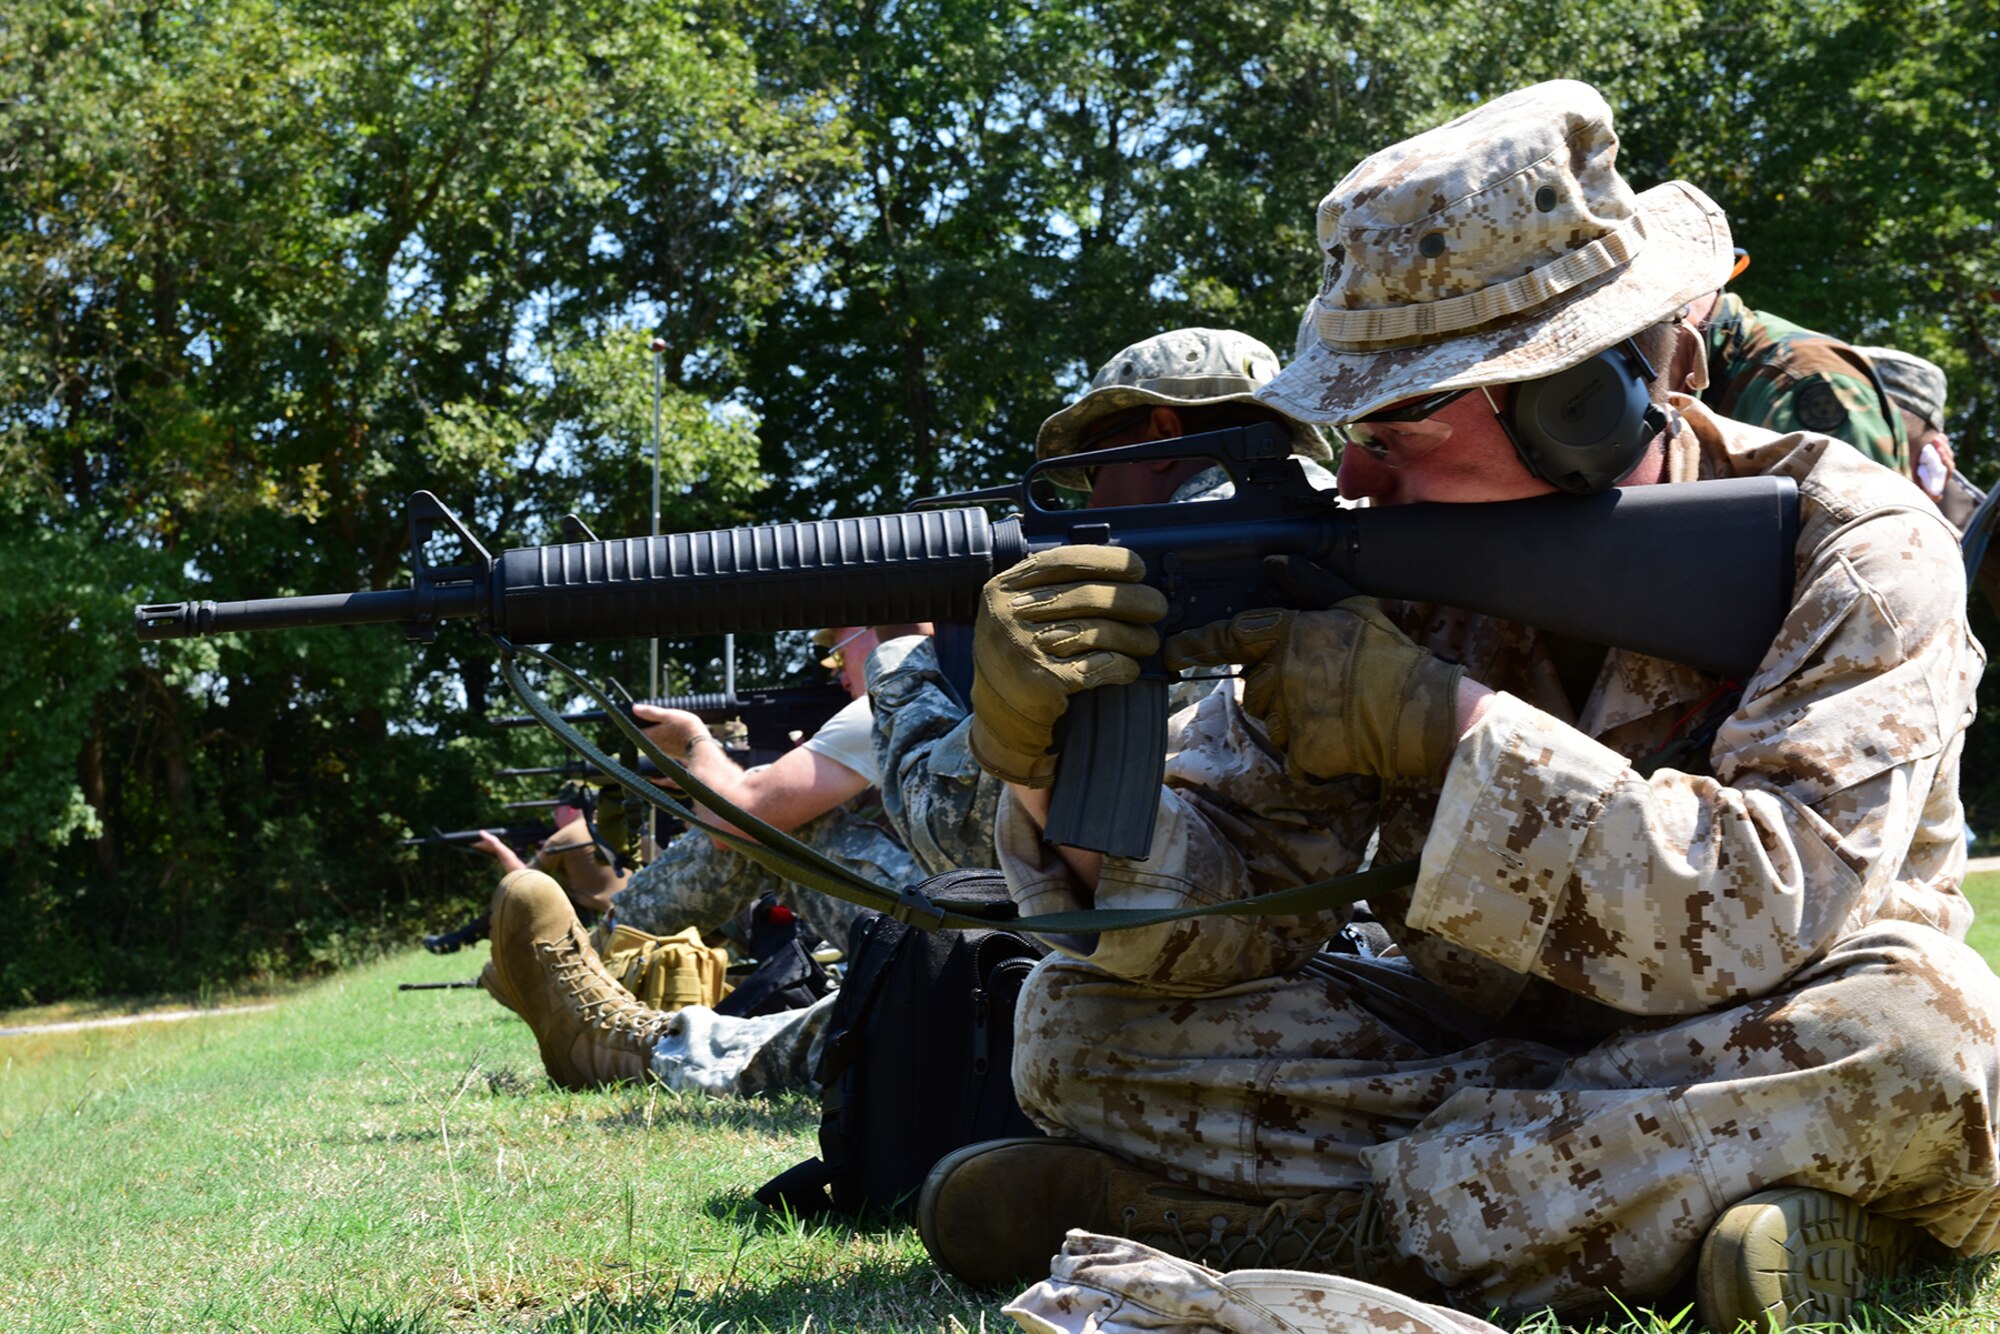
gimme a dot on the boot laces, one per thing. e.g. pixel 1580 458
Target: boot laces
pixel 1340 1233
pixel 597 998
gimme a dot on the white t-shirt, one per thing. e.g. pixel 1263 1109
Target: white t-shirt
pixel 849 738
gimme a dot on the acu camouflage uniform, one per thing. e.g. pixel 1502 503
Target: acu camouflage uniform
pixel 695 883
pixel 1772 373
pixel 935 798
pixel 933 791
pixel 1625 1003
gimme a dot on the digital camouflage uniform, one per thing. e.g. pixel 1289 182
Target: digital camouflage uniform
pixel 933 791
pixel 695 883
pixel 1772 373
pixel 1625 1003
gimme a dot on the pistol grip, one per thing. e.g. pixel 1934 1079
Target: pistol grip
pixel 1113 756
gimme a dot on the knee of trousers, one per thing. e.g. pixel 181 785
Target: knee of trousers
pixel 1914 996
pixel 1066 1012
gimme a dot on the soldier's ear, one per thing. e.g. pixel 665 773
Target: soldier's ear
pixel 1690 364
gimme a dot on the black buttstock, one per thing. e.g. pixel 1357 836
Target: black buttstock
pixel 1698 573
pixel 451 942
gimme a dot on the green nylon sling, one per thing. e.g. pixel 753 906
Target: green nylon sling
pixel 784 855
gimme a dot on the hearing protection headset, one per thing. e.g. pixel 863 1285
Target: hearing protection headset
pixel 1585 427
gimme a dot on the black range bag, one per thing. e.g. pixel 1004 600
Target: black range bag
pixel 918 1056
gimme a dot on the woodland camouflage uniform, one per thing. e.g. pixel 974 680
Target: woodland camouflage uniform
pixel 1772 373
pixel 1625 1003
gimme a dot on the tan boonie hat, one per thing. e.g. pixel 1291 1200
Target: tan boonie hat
pixel 1917 385
pixel 1501 247
pixel 1182 368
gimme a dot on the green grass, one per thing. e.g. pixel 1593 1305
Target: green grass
pixel 363 1159
pixel 380 1162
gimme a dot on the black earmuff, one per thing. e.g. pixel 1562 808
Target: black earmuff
pixel 1587 426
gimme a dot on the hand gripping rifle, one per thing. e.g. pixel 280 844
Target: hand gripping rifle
pixel 1700 573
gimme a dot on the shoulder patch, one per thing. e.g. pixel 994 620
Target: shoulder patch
pixel 1818 408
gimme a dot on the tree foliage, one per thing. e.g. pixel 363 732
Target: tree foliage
pixel 270 265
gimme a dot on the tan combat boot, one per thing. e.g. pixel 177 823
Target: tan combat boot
pixel 1797 1256
pixel 590 1030
pixel 490 983
pixel 995 1213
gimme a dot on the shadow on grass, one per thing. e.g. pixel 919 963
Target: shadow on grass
pixel 646 1108
pixel 738 1209
pixel 875 1295
pixel 377 1138
pixel 649 1106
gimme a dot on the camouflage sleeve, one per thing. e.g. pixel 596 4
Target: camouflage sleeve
pixel 1679 893
pixel 693 882
pixel 1231 824
pixel 1836 399
pixel 934 793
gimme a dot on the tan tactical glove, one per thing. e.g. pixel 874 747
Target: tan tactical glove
pixel 1063 620
pixel 1340 691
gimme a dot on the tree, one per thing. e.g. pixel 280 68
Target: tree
pixel 270 267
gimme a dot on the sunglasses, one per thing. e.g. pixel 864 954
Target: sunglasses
pixel 1112 427
pixel 1392 436
pixel 836 657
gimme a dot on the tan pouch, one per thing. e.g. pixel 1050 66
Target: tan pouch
pixel 664 972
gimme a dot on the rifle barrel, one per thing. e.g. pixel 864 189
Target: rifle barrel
pixel 191 620
pixel 511 834
pixel 877 569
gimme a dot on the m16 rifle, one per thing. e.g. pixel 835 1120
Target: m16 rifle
pixel 603 816
pixel 1595 568
pixel 519 837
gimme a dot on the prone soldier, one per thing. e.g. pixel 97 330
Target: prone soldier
pixel 818 790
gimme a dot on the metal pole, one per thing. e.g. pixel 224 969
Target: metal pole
pixel 659 359
pixel 659 356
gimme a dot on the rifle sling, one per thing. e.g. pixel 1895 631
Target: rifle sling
pixel 784 855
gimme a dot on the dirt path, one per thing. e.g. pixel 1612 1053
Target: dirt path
pixel 120 1020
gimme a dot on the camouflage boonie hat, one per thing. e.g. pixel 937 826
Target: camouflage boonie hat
pixel 1917 385
pixel 1181 368
pixel 1503 246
